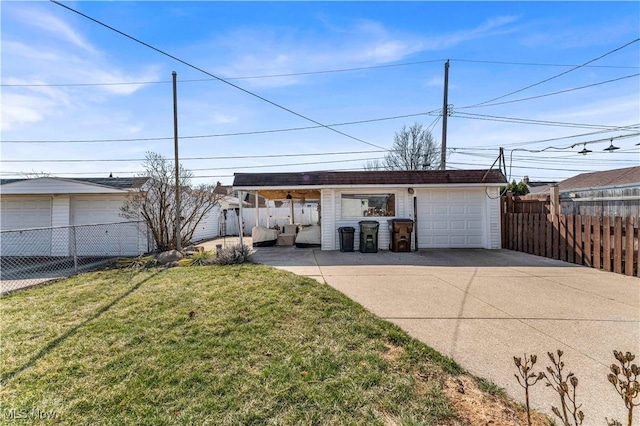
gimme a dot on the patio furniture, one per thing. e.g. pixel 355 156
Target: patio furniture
pixel 309 237
pixel 263 237
pixel 288 235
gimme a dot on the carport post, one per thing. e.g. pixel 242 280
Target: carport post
pixel 240 213
pixel 266 202
pixel 257 209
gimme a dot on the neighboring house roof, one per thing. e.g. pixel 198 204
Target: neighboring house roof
pixel 368 178
pixel 55 185
pixel 223 189
pixel 608 178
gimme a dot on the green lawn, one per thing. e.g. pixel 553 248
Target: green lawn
pixel 244 344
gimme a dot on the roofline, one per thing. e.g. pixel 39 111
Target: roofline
pixel 595 188
pixel 83 182
pixel 355 186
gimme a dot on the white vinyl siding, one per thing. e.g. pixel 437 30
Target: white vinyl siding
pixel 105 240
pixel 328 220
pixel 25 213
pixel 208 226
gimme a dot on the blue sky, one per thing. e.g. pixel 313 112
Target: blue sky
pixel 65 78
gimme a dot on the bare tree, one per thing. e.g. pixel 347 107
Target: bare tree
pixel 373 165
pixel 155 202
pixel 413 149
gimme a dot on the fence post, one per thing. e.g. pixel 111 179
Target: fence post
pixel 597 241
pixel 606 243
pixel 628 251
pixel 578 253
pixel 587 242
pixel 75 250
pixel 617 245
pixel 554 198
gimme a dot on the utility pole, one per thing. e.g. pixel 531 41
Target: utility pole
pixel 445 113
pixel 175 147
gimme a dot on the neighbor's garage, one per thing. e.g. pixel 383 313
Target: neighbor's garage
pixel 451 218
pixel 26 213
pixel 104 240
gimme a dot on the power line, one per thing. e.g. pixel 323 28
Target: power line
pixel 549 94
pixel 599 132
pixel 557 75
pixel 536 122
pixel 544 64
pixel 218 78
pixel 256 132
pixel 196 158
pixel 297 74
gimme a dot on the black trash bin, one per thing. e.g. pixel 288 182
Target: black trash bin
pixel 401 235
pixel 346 238
pixel 369 236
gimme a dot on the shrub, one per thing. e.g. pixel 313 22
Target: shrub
pixel 232 255
pixel 140 262
pixel 198 258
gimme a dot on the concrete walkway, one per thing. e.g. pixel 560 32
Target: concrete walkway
pixel 483 307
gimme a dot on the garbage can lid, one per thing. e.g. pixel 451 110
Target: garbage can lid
pixel 347 228
pixel 401 220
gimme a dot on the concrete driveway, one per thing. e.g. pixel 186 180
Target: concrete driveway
pixel 482 307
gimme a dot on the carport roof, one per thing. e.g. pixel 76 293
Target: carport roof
pixel 368 178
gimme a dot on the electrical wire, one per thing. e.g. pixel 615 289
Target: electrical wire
pixel 262 98
pixel 557 75
pixel 256 132
pixel 536 122
pixel 543 64
pixel 195 158
pixel 599 132
pixel 297 74
pixel 549 94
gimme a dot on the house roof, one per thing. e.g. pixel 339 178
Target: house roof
pixel 607 178
pixel 368 178
pixel 55 185
pixel 110 182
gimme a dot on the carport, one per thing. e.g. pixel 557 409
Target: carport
pixel 451 208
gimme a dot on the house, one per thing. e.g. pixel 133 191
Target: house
pixel 454 208
pixel 55 203
pixel 605 193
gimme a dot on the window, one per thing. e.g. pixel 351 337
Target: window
pixel 370 205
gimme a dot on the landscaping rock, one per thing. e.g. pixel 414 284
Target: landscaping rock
pixel 169 256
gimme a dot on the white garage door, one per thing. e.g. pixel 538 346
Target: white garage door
pixel 450 218
pixel 26 213
pixel 103 237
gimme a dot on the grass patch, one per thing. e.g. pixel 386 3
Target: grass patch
pixel 224 345
pixel 489 387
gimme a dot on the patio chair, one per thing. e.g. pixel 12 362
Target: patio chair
pixel 288 235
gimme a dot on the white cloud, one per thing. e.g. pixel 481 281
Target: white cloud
pixel 266 51
pixel 20 110
pixel 51 24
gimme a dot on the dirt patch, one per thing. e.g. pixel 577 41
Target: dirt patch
pixel 393 353
pixel 477 408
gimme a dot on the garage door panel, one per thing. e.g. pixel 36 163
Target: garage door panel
pixel 26 213
pixel 92 210
pixel 450 218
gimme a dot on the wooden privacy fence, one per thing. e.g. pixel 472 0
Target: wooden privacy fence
pixel 607 243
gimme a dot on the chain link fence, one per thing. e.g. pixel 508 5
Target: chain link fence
pixel 33 256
